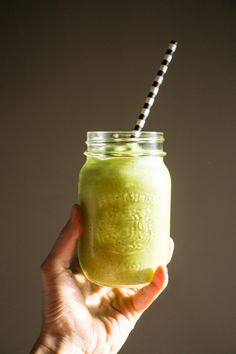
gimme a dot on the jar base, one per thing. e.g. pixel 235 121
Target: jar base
pixel 137 286
pixel 116 284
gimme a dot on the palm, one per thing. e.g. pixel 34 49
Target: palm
pixel 100 316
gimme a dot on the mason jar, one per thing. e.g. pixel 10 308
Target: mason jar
pixel 124 192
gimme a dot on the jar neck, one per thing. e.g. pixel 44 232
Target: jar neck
pixel 124 143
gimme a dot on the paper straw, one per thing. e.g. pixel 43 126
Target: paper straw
pixel 155 86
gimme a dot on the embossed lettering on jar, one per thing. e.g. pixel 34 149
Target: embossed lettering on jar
pixel 124 192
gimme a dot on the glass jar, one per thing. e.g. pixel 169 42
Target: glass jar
pixel 124 191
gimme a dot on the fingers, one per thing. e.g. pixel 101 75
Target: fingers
pixel 170 250
pixel 145 296
pixel 62 252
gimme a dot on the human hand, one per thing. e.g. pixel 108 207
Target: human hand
pixel 79 316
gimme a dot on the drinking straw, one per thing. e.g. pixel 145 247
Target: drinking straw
pixel 155 87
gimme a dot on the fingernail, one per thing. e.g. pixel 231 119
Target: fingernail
pixel 73 212
pixel 162 269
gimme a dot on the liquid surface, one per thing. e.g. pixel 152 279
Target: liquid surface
pixel 126 206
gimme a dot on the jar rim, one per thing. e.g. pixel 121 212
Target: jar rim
pixel 119 135
pixel 124 143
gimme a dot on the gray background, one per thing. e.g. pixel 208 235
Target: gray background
pixel 72 66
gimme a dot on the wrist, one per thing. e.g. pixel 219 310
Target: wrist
pixel 49 344
pixel 45 344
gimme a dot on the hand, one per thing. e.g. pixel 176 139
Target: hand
pixel 79 316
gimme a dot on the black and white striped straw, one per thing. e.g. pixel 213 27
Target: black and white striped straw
pixel 155 86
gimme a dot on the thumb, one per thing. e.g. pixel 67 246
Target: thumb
pixel 145 296
pixel 61 254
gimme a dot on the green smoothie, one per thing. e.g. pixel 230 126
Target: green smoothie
pixel 126 206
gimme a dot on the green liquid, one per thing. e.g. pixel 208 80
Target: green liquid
pixel 126 207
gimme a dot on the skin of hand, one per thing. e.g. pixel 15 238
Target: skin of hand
pixel 79 316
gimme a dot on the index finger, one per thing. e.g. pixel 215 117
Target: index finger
pixel 62 252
